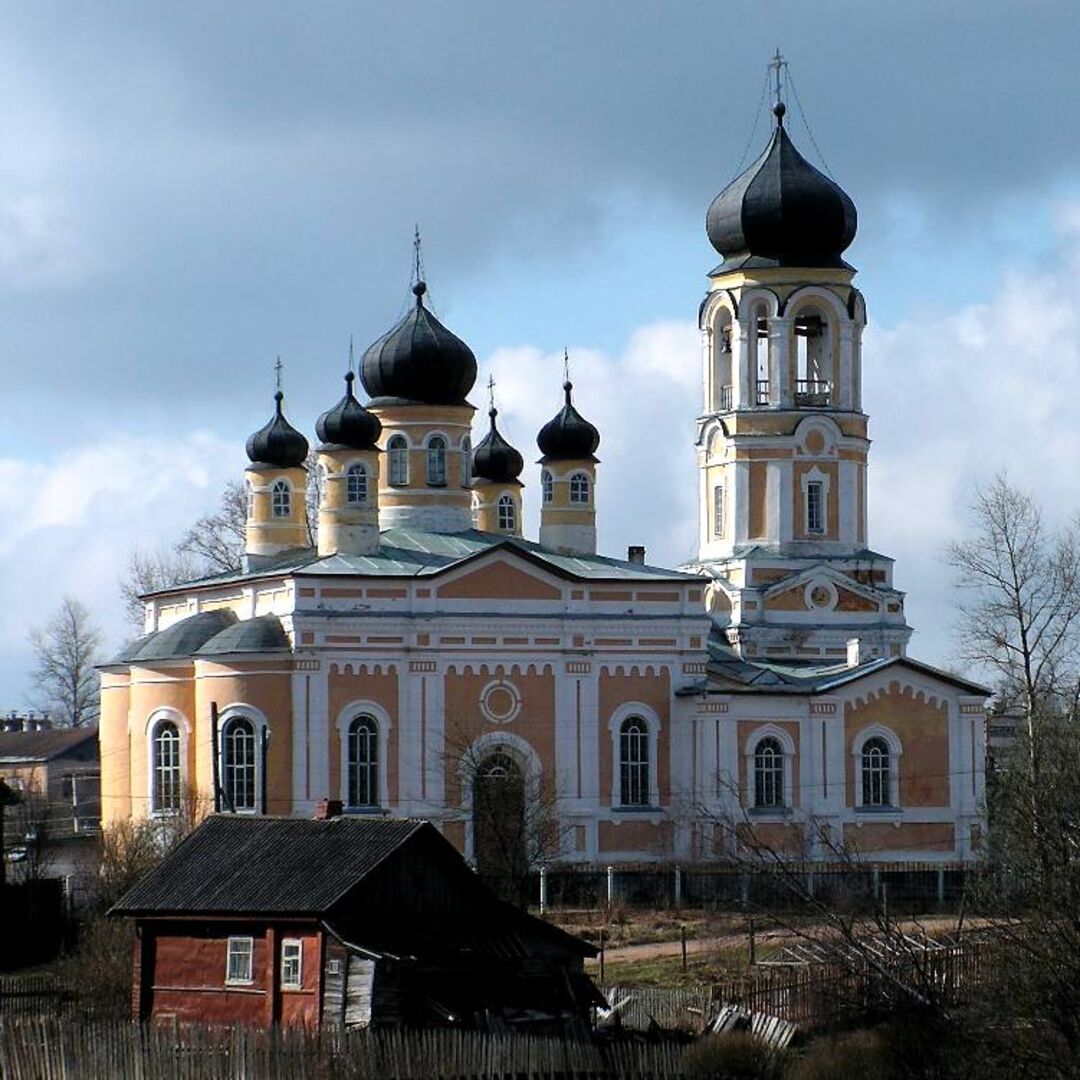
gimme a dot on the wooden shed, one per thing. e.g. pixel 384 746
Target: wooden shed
pixel 343 921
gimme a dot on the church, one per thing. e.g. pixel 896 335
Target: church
pixel 416 655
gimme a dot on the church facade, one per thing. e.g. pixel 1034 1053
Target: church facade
pixel 422 657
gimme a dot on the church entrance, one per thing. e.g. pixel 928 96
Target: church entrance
pixel 499 826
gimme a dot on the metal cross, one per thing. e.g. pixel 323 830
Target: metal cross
pixel 777 63
pixel 278 365
pixel 416 252
pixel 491 391
pixel 566 364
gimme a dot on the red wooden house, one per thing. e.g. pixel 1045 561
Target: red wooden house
pixel 342 921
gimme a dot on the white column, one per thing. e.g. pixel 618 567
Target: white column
pixel 779 361
pixel 739 506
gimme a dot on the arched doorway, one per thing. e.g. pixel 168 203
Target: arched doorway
pixel 499 825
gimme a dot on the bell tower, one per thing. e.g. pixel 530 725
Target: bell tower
pixel 782 440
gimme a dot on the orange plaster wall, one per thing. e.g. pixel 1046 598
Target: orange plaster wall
pixel 634 836
pixel 501 581
pixel 849 601
pixel 151 689
pixel 911 836
pixel 381 688
pixel 746 730
pixel 758 491
pixel 651 690
pixel 778 836
pixel 465 722
pixel 790 600
pixel 115 752
pixel 923 731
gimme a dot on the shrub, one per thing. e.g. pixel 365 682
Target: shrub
pixel 738 1056
pixel 857 1056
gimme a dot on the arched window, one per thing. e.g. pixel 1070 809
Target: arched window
pixel 547 486
pixel 320 486
pixel 634 762
pixel 363 750
pixel 579 488
pixel 436 461
pixel 165 787
pixel 281 499
pixel 466 461
pixel 768 774
pixel 356 486
pixel 398 450
pixel 876 773
pixel 249 498
pixel 238 765
pixel 507 513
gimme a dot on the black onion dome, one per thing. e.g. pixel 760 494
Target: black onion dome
pixel 568 436
pixel 494 458
pixel 278 443
pixel 419 362
pixel 781 212
pixel 348 423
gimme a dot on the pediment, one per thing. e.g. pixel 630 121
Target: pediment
pixel 499 579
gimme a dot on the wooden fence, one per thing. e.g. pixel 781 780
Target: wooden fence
pixel 50 1049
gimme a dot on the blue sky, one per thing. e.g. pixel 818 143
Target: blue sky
pixel 187 192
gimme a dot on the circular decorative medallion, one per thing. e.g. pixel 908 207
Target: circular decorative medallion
pixel 500 701
pixel 820 594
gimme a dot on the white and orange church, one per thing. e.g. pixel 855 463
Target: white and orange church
pixel 765 683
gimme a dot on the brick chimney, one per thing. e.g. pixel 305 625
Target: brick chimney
pixel 329 808
pixel 635 553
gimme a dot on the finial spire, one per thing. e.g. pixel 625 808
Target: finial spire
pixel 352 359
pixel 777 65
pixel 491 398
pixel 278 365
pixel 567 384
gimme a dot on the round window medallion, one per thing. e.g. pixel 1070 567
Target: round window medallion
pixel 820 594
pixel 500 701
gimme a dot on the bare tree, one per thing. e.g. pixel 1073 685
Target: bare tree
pixel 215 543
pixel 65 651
pixel 149 571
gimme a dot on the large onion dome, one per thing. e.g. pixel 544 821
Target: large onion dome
pixel 418 362
pixel 568 436
pixel 348 423
pixel 278 443
pixel 494 458
pixel 781 212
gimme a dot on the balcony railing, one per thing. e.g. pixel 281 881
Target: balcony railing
pixel 727 397
pixel 813 393
pixel 762 396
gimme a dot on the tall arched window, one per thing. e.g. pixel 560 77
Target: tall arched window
pixel 356 485
pixel 363 751
pixel 436 461
pixel 768 774
pixel 165 787
pixel 320 485
pixel 634 762
pixel 579 488
pixel 507 513
pixel 281 499
pixel 249 497
pixel 547 486
pixel 466 461
pixel 238 764
pixel 876 778
pixel 397 450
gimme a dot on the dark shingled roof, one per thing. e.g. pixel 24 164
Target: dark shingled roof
pixel 263 634
pixel 44 745
pixel 274 865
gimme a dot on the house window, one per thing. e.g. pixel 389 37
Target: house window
pixel 547 486
pixel 238 968
pixel 579 488
pixel 718 510
pixel 165 794
pixel 363 751
pixel 281 499
pixel 292 964
pixel 876 773
pixel 634 762
pixel 398 450
pixel 507 513
pixel 466 462
pixel 815 507
pixel 436 461
pixel 768 774
pixel 238 765
pixel 356 485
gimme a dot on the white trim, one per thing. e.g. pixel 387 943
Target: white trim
pixel 896 750
pixel 250 980
pixel 158 716
pixel 815 476
pixel 366 707
pixel 787 745
pixel 299 982
pixel 654 725
pixel 238 711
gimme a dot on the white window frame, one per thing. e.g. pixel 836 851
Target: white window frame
pixel 153 723
pixel 654 728
pixel 292 953
pixel 787 747
pixel 547 486
pixel 259 723
pixel 397 454
pixel 352 711
pixel 877 731
pixel 719 512
pixel 810 478
pixel 583 484
pixel 281 498
pixel 357 470
pixel 240 947
pixel 436 446
pixel 506 509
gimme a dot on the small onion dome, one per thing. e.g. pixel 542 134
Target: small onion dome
pixel 348 423
pixel 278 443
pixel 781 212
pixel 568 436
pixel 418 362
pixel 494 458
